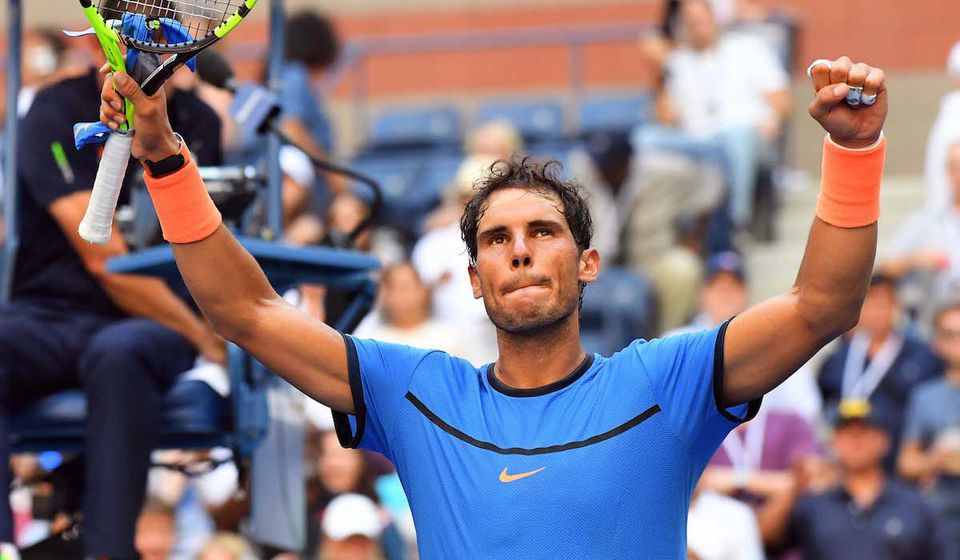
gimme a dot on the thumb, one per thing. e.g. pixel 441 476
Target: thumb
pixel 128 87
pixel 827 98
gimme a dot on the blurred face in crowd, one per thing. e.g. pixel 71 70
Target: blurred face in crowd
pixel 495 140
pixel 155 535
pixel 340 469
pixel 723 296
pixel 860 445
pixel 699 25
pixel 529 268
pixel 946 338
pixel 953 171
pixel 880 309
pixel 40 59
pixel 357 547
pixel 404 299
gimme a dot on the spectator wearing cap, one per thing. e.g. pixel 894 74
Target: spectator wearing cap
pixel 930 452
pixel 866 514
pixel 879 361
pixel 724 295
pixel 944 133
pixel 721 528
pixel 352 525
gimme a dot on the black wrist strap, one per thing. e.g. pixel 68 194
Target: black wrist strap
pixel 167 165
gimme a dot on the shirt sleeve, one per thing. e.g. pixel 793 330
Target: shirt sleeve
pixel 380 374
pixel 297 98
pixel 687 375
pixel 49 164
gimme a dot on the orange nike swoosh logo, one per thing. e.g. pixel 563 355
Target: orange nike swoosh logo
pixel 504 477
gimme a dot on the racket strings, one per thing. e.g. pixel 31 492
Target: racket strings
pixel 198 17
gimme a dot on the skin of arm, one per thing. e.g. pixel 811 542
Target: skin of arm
pixel 771 340
pixel 137 296
pixel 229 285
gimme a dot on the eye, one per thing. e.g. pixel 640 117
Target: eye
pixel 498 239
pixel 541 232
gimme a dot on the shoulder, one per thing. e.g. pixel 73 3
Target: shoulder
pixel 54 101
pixel 906 496
pixel 929 391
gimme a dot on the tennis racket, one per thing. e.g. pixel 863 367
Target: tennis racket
pixel 175 29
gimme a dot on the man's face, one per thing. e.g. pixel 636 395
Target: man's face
pixel 356 547
pixel 529 268
pixel 699 24
pixel 155 535
pixel 880 309
pixel 404 298
pixel 860 445
pixel 946 339
pixel 723 296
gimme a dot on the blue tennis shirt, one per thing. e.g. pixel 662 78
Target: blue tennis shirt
pixel 600 464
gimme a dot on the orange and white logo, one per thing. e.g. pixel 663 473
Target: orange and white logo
pixel 504 477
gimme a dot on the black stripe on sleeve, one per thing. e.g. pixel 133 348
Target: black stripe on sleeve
pixel 753 407
pixel 341 422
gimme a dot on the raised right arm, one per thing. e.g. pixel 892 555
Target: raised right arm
pixel 223 278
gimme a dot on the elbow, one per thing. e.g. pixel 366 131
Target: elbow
pixel 828 314
pixel 235 321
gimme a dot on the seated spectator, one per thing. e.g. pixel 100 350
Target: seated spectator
pixel 156 531
pixel 404 315
pixel 768 22
pixel 735 122
pixel 944 133
pixel 226 546
pixel 867 514
pixel 926 250
pixel 721 528
pixel 879 362
pixel 930 452
pixel 352 525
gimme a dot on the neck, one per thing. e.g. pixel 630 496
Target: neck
pixel 877 340
pixel 541 357
pixel 865 485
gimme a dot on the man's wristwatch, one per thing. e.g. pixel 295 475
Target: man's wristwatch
pixel 169 164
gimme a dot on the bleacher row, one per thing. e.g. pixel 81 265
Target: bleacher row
pixel 415 153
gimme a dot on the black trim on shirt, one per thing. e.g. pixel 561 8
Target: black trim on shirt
pixel 500 387
pixel 341 422
pixel 432 416
pixel 753 407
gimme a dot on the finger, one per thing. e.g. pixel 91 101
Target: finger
pixel 873 85
pixel 110 97
pixel 839 70
pixel 857 75
pixel 105 69
pixel 128 87
pixel 827 98
pixel 107 120
pixel 819 72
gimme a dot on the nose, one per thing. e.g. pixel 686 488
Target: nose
pixel 521 255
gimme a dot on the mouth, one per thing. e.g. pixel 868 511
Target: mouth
pixel 527 288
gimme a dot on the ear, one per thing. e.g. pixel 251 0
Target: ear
pixel 474 281
pixel 589 265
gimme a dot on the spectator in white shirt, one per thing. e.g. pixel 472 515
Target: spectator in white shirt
pixel 721 528
pixel 944 133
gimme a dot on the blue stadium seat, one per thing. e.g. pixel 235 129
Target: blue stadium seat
pixel 613 113
pixel 537 120
pixel 415 128
pixel 617 309
pixel 398 175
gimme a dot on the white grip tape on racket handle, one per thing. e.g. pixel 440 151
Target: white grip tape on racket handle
pixel 97 223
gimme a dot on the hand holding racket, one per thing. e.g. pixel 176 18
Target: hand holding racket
pixel 177 29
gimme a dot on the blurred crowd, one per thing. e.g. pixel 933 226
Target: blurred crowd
pixel 857 456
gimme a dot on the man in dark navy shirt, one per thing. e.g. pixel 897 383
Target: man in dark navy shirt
pixel 867 515
pixel 70 324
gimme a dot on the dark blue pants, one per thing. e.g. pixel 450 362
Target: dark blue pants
pixel 124 367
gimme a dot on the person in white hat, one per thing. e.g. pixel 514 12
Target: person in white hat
pixel 352 524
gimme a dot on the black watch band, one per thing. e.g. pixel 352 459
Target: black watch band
pixel 167 165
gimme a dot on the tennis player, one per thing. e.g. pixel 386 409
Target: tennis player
pixel 550 452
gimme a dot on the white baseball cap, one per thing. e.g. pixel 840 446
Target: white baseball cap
pixel 352 514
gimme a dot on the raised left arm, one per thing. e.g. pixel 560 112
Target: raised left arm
pixel 770 341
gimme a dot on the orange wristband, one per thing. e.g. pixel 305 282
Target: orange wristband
pixel 850 185
pixel 185 209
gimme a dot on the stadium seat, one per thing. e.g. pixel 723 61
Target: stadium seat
pixel 415 128
pixel 537 120
pixel 617 309
pixel 612 113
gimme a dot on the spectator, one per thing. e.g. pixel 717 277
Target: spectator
pixel 944 133
pixel 927 248
pixel 122 339
pixel 156 531
pixel 735 122
pixel 404 315
pixel 226 546
pixel 879 362
pixel 867 514
pixel 352 526
pixel 721 528
pixel 930 453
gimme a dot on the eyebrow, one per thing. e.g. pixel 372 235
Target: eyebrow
pixel 549 224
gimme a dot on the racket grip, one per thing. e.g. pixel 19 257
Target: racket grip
pixel 97 223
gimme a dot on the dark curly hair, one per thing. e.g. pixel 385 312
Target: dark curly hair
pixel 525 172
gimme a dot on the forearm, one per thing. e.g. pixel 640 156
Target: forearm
pixel 773 516
pixel 140 296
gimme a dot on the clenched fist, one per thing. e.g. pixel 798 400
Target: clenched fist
pixel 856 126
